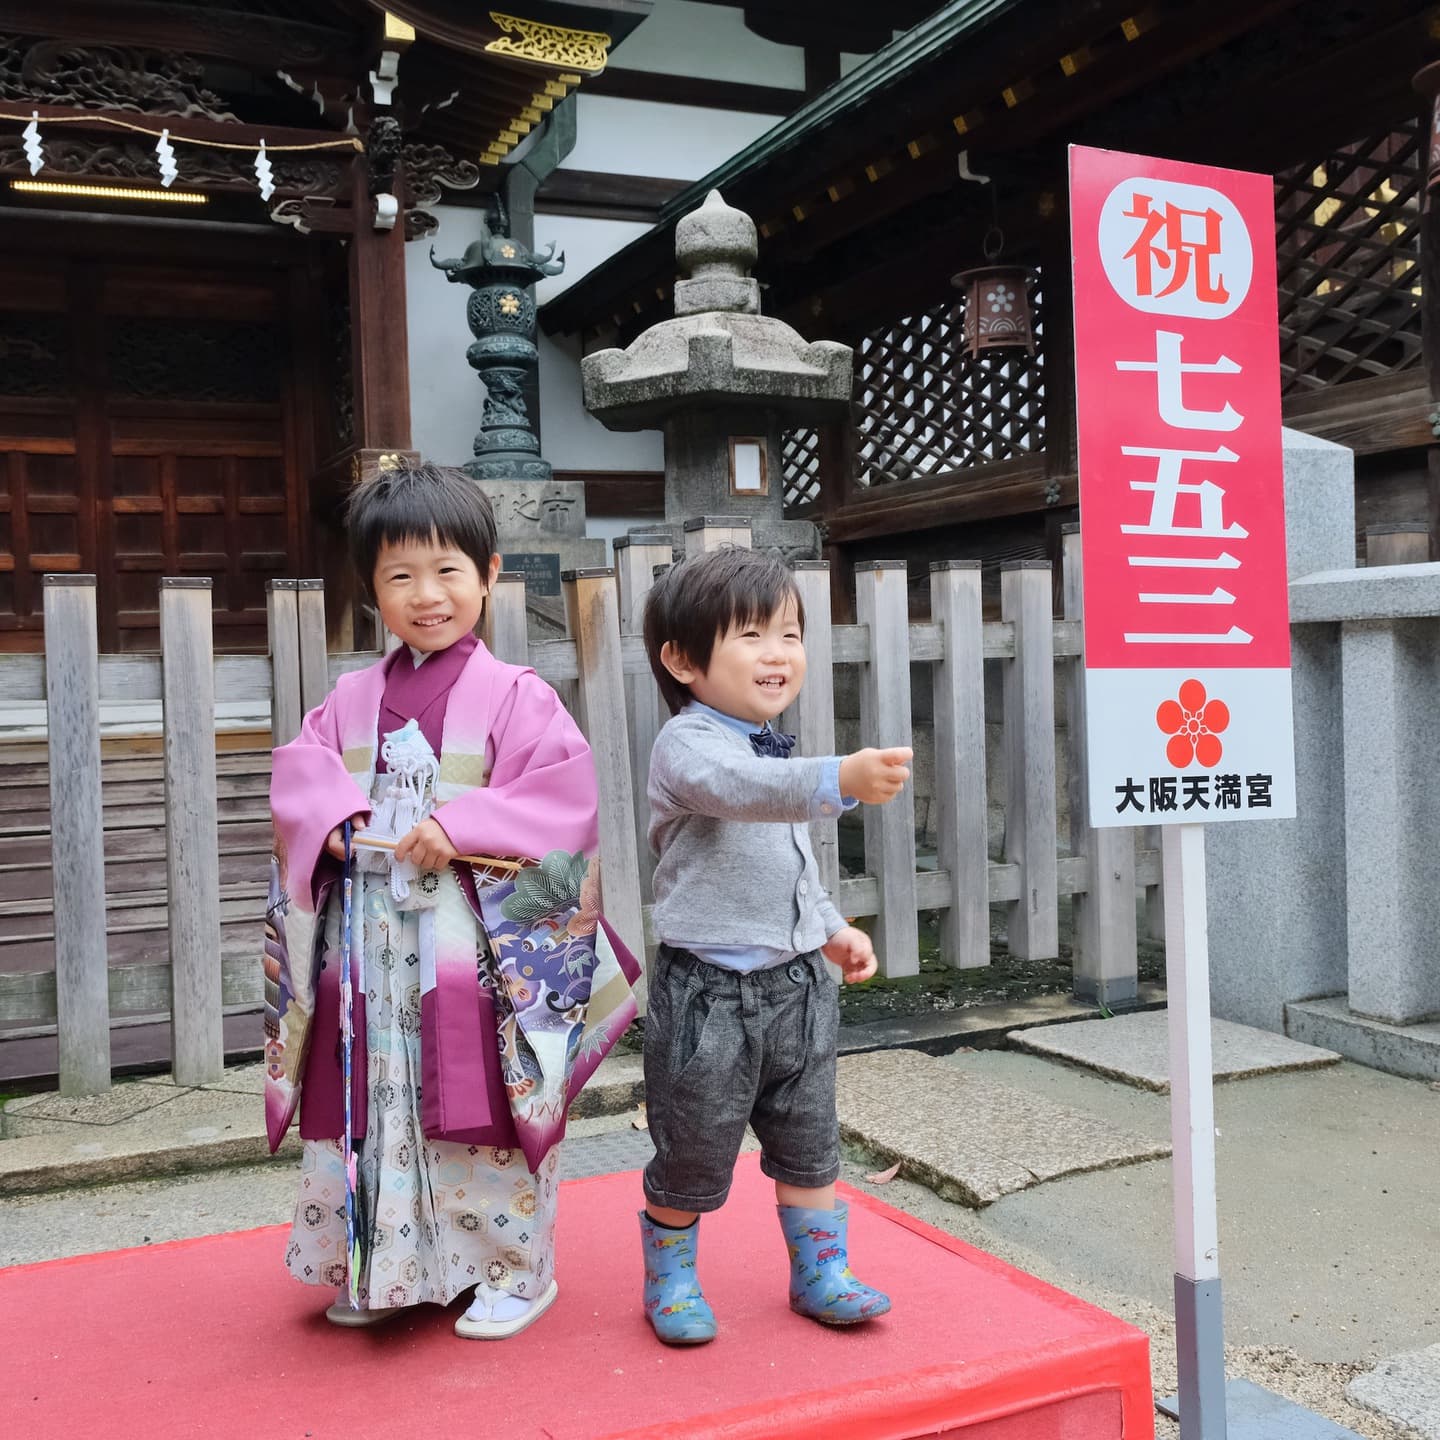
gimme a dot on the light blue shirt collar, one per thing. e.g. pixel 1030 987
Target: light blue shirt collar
pixel 747 728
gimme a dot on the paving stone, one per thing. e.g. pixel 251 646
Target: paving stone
pixel 1136 1049
pixel 122 1102
pixel 241 1079
pixel 626 1149
pixel 969 1138
pixel 1405 1388
pixel 943 1031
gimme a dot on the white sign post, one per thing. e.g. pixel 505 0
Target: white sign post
pixel 1187 634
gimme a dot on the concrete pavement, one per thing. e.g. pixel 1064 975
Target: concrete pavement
pixel 1327 1185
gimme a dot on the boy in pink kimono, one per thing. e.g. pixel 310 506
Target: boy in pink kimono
pixel 469 1040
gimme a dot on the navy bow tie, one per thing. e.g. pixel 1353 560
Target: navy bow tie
pixel 773 743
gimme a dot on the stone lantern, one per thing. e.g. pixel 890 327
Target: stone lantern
pixel 541 520
pixel 723 382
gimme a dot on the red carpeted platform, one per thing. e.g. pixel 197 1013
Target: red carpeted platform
pixel 212 1338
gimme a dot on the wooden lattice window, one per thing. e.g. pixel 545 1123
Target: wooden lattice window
pixel 1348 245
pixel 923 406
pixel 800 466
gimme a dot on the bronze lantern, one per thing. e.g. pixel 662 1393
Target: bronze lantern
pixel 997 303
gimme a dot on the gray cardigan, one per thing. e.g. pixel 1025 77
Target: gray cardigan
pixel 730 828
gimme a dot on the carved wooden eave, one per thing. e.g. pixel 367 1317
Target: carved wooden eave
pixel 436 93
pixel 490 74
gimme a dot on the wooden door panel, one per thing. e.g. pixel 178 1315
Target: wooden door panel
pixel 147 414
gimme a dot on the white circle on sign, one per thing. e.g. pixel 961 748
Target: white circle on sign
pixel 1174 249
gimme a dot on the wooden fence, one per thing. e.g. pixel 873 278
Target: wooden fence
pixel 603 668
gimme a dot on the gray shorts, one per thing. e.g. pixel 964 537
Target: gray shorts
pixel 723 1050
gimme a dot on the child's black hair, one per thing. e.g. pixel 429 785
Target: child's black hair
pixel 697 601
pixel 420 502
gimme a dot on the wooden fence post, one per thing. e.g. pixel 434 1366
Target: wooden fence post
pixel 713 532
pixel 814 720
pixel 1105 958
pixel 508 636
pixel 77 835
pixel 636 559
pixel 1030 828
pixel 314 654
pixel 283 625
pixel 881 604
pixel 1154 894
pixel 593 607
pixel 191 830
pixel 962 834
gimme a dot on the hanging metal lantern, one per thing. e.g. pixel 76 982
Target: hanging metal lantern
pixel 1427 82
pixel 997 302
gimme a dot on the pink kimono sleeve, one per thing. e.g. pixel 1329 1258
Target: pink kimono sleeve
pixel 541 795
pixel 311 793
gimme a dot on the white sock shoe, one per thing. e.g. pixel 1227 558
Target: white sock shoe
pixel 498 1305
pixel 494 1314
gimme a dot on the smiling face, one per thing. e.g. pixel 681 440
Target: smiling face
pixel 429 594
pixel 756 668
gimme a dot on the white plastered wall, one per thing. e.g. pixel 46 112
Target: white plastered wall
pixel 615 136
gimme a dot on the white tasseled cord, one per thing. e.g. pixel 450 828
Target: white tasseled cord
pixel 408 798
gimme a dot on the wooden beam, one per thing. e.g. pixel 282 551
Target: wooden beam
pixel 1389 412
pixel 612 493
pixel 986 492
pixel 663 89
pixel 248 38
pixel 602 196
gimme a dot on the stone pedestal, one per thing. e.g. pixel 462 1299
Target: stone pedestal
pixel 721 380
pixel 1276 888
pixel 1340 900
pixel 542 531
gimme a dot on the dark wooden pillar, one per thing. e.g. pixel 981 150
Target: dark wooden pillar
pixel 1427 82
pixel 522 181
pixel 380 352
pixel 1058 301
pixel 822 69
pixel 837 481
pixel 1430 333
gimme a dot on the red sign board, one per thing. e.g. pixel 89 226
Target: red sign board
pixel 1187 631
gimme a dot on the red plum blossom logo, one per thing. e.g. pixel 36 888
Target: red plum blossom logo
pixel 1194 724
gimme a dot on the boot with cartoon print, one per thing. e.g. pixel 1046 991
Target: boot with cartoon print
pixel 674 1305
pixel 822 1285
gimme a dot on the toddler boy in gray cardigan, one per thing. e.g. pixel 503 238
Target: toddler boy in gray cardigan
pixel 743 1015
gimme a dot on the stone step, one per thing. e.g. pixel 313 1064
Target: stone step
pixel 1135 1049
pixel 1409 1050
pixel 152 1127
pixel 967 1137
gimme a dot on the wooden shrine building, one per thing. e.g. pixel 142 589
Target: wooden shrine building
pixel 864 217
pixel 192 372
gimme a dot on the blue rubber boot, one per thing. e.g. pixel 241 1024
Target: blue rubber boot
pixel 822 1285
pixel 676 1309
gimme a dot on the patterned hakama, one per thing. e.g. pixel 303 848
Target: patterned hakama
pixel 438 1217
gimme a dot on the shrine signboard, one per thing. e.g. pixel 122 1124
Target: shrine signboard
pixel 1187 630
